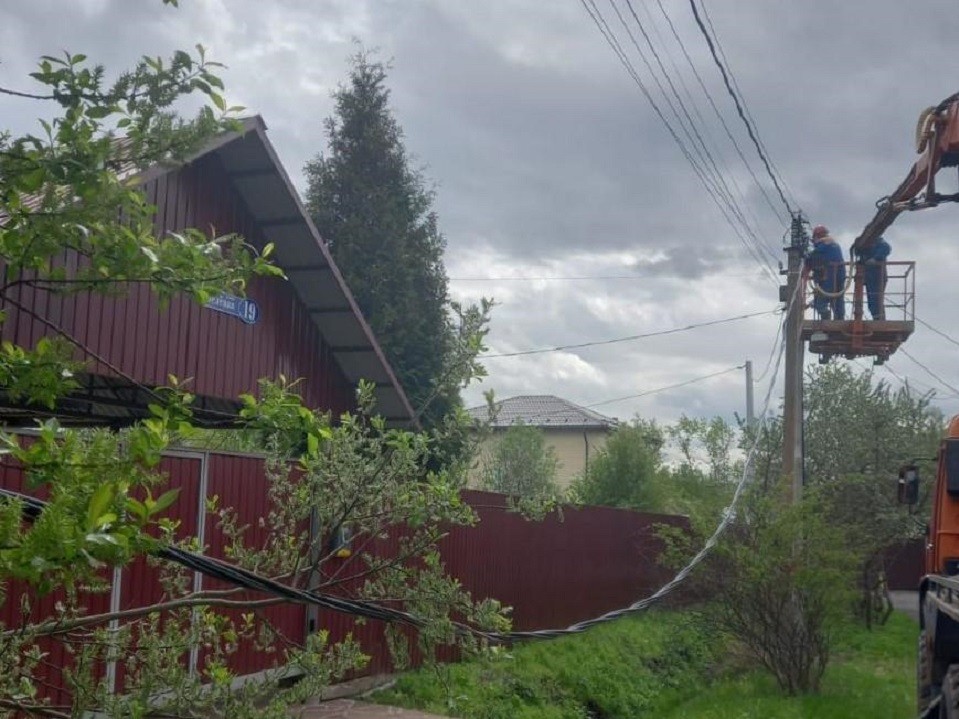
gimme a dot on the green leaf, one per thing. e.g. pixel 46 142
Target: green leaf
pixel 138 509
pixel 165 500
pixel 33 180
pixel 101 499
pixel 218 100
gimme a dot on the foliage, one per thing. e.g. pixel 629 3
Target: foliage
pixel 72 191
pixel 624 473
pixel 522 464
pixel 623 669
pixel 376 211
pixel 855 425
pixel 872 674
pixel 782 582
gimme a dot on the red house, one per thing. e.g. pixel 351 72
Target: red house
pixel 308 327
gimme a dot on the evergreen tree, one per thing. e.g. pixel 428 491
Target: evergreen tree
pixel 376 212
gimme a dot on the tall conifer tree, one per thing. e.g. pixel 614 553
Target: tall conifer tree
pixel 376 211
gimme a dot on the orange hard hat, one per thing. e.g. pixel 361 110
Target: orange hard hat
pixel 819 231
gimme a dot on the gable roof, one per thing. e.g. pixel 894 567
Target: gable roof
pixel 255 170
pixel 543 410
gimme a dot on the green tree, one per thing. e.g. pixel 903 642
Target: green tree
pixel 700 485
pixel 376 211
pixel 62 190
pixel 625 473
pixel 856 425
pixel 521 464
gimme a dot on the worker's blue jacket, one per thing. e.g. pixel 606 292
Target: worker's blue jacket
pixel 879 252
pixel 827 265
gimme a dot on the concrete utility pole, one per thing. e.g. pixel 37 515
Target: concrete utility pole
pixel 750 409
pixel 793 405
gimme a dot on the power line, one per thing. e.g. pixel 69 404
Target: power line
pixel 929 372
pixel 567 278
pixel 630 338
pixel 906 381
pixel 718 113
pixel 937 331
pixel 705 156
pixel 742 96
pixel 667 387
pixel 707 130
pixel 240 577
pixel 739 107
pixel 610 37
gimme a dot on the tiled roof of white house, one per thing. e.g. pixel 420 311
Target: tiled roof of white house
pixel 542 410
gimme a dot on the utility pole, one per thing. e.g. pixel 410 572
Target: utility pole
pixel 750 409
pixel 793 405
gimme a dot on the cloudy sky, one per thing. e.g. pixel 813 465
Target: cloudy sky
pixel 550 164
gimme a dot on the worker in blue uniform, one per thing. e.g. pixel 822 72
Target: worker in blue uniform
pixel 875 277
pixel 828 270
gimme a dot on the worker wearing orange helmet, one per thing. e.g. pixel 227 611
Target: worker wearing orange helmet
pixel 828 270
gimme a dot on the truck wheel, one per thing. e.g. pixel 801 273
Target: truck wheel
pixel 923 675
pixel 949 709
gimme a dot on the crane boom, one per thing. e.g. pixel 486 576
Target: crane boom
pixel 937 141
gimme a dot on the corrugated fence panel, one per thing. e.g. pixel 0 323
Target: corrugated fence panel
pixel 557 571
pixel 239 482
pixel 552 573
pixel 57 657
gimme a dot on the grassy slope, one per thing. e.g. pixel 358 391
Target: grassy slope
pixel 659 665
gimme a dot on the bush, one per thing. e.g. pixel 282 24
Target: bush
pixel 783 583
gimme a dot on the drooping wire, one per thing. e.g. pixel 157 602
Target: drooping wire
pixel 244 578
pixel 719 115
pixel 610 37
pixel 631 338
pixel 740 110
pixel 729 514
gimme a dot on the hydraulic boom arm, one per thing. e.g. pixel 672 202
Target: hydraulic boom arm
pixel 937 141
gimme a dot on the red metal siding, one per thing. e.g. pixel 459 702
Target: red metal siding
pixel 223 356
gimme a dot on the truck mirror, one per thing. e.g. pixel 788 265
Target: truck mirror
pixel 908 485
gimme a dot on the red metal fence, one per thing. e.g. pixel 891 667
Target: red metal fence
pixel 552 573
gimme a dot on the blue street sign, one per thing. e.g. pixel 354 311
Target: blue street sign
pixel 242 308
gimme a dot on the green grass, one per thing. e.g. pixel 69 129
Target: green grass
pixel 663 664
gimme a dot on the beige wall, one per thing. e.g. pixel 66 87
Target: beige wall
pixel 570 446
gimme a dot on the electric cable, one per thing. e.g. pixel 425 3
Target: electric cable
pixel 712 102
pixel 631 338
pixel 706 158
pixel 739 108
pixel 742 97
pixel 667 387
pixel 740 195
pixel 244 578
pixel 929 372
pixel 937 331
pixel 610 37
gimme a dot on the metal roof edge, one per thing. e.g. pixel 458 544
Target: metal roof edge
pixel 257 126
